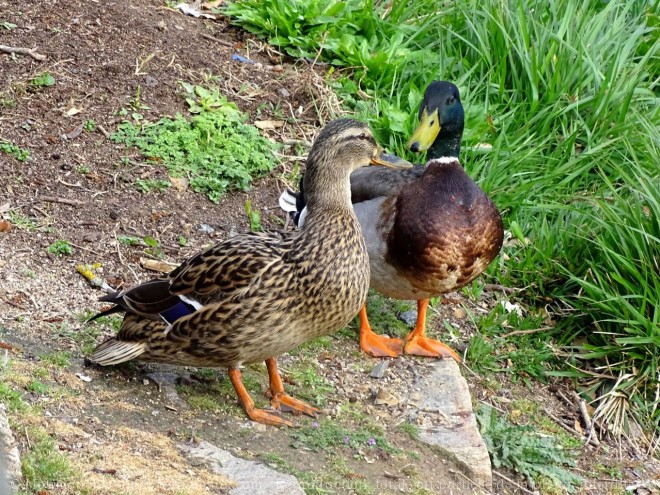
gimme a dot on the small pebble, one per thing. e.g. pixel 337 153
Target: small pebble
pixel 409 317
pixel 207 229
pixel 379 369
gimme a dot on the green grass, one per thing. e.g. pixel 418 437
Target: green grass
pixel 310 385
pixel 214 148
pixel 566 95
pixel 43 465
pixel 327 435
pixel 524 355
pixel 58 358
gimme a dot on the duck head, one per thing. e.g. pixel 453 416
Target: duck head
pixel 441 121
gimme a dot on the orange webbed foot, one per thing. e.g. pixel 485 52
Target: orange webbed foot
pixel 419 345
pixel 272 418
pixel 374 344
pixel 380 345
pixel 282 401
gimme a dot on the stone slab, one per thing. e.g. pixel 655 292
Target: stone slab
pixel 251 478
pixel 454 432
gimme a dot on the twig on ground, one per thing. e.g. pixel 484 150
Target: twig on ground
pixel 454 471
pixel 85 249
pixel 301 142
pixel 103 131
pixel 519 486
pixel 23 51
pixel 31 298
pixel 64 201
pixel 588 422
pixel 526 332
pixel 590 440
pixel 27 437
pixel 68 184
pixel 217 40
pixel 502 288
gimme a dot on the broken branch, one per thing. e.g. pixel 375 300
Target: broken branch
pixel 217 40
pixel 64 201
pixel 22 51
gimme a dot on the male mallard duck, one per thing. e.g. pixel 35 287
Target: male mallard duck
pixel 429 230
pixel 257 295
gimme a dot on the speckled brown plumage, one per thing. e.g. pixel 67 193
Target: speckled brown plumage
pixel 258 295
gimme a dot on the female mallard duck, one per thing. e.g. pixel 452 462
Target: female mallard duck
pixel 257 295
pixel 429 230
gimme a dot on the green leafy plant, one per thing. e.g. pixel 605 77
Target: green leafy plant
pixel 21 221
pixel 523 449
pixel 90 125
pixel 215 150
pixel 60 247
pixel 21 154
pixel 8 25
pixel 148 185
pixel 153 248
pixel 42 81
pixel 128 240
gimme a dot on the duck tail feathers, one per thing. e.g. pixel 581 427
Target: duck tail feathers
pixel 114 351
pixel 288 201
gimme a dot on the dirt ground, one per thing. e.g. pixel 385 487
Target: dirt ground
pixel 118 426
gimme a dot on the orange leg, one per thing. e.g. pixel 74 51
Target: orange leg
pixel 374 344
pixel 282 401
pixel 417 343
pixel 258 415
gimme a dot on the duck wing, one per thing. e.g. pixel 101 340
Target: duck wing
pixel 374 182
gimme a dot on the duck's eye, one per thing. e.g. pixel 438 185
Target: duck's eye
pixel 450 100
pixel 363 136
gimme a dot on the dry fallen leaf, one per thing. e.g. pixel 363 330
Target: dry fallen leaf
pixel 4 208
pixel 5 226
pixel 268 124
pixel 73 111
pixel 75 132
pixel 179 183
pixel 157 266
pixel 213 4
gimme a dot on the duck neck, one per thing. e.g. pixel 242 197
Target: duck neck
pixel 445 146
pixel 328 190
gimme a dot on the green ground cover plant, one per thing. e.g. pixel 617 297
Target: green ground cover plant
pixel 562 130
pixel 214 148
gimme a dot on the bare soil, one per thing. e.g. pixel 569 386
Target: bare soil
pixel 120 429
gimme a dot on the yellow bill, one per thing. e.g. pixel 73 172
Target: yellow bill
pixel 426 132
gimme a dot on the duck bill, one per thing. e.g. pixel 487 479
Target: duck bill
pixel 426 132
pixel 388 160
